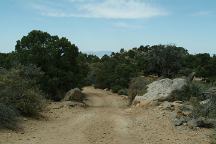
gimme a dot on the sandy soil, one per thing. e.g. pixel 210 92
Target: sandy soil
pixel 106 121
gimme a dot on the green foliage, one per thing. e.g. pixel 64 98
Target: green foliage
pixel 212 106
pixel 18 89
pixel 7 60
pixel 203 64
pixel 203 106
pixel 165 60
pixel 206 109
pixel 212 114
pixel 116 88
pixel 187 92
pixel 85 63
pixel 118 69
pixel 114 72
pixel 31 102
pixel 56 57
pixel 123 92
pixel 8 117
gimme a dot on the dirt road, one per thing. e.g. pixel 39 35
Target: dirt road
pixel 106 121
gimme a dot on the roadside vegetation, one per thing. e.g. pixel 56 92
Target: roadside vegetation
pixel 19 94
pixel 115 72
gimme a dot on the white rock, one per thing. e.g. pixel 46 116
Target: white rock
pixel 162 89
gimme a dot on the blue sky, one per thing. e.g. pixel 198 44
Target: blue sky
pixel 97 25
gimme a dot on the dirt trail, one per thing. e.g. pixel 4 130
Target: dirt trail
pixel 106 121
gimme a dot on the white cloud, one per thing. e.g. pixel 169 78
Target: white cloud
pixel 48 11
pixel 108 9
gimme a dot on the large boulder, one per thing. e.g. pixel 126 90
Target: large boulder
pixel 74 95
pixel 161 90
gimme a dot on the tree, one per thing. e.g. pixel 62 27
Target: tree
pixel 57 58
pixel 115 71
pixel 85 63
pixel 7 60
pixel 165 60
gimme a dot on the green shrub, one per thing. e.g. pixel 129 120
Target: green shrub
pixel 188 91
pixel 31 103
pixel 123 92
pixel 19 90
pixel 213 115
pixel 57 58
pixel 203 105
pixel 199 110
pixel 8 117
pixel 116 88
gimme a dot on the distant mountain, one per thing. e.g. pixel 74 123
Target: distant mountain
pixel 99 53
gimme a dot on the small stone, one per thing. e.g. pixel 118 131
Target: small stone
pixel 25 119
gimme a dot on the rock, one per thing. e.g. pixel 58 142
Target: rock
pixel 182 115
pixel 205 123
pixel 77 104
pixel 25 119
pixel 201 122
pixel 145 104
pixel 166 106
pixel 178 102
pixel 74 95
pixel 173 116
pixel 210 93
pixel 155 103
pixel 186 113
pixel 141 104
pixel 205 102
pixel 177 105
pixel 185 110
pixel 173 106
pixel 180 121
pixel 192 124
pixel 161 90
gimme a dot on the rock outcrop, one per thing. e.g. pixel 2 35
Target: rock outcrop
pixel 161 90
pixel 182 114
pixel 74 95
